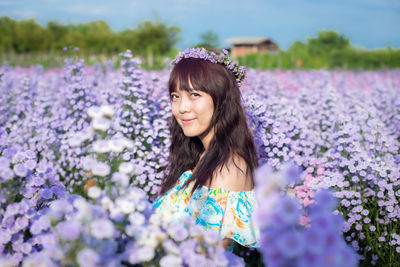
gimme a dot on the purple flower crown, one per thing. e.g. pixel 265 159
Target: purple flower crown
pixel 221 58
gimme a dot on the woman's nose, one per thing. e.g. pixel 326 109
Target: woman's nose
pixel 184 105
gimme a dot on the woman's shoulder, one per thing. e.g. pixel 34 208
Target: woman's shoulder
pixel 233 176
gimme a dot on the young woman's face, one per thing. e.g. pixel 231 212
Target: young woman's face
pixel 193 111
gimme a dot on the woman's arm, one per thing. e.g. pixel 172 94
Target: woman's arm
pixel 226 243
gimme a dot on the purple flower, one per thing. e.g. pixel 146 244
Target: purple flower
pixel 324 200
pixel 290 244
pixel 322 222
pixel 41 167
pixel 30 164
pixel 5 236
pixel 69 230
pixel 288 210
pixel 26 248
pixel 292 172
pixel 18 157
pixel 178 232
pixel 233 260
pixel 38 181
pixel 20 170
pixel 87 257
pixel 59 191
pixel 21 223
pixel 314 240
pixel 10 152
pixel 46 194
pixel 308 259
pixel 6 173
pixel 4 162
pixel 43 223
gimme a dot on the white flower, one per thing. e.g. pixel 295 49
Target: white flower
pixel 137 219
pixel 101 169
pixel 95 112
pixel 88 163
pixel 94 192
pixel 86 134
pixel 101 146
pixel 160 236
pixel 84 210
pixel 102 228
pixel 155 219
pixel 9 262
pixel 60 206
pixel 170 260
pixel 101 124
pixel 75 140
pixel 141 206
pixel 80 204
pixel 107 110
pixel 116 145
pixel 120 178
pixel 125 205
pixel 211 237
pixel 88 257
pixel 107 203
pixel 167 216
pixel 171 247
pixel 197 230
pixel 150 241
pixel 34 260
pixel 126 167
pixel 145 254
pixel 127 143
pixel 20 170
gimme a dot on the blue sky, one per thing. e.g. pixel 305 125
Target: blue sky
pixel 368 23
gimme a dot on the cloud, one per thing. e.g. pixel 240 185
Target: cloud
pixel 5 3
pixel 23 13
pixel 89 10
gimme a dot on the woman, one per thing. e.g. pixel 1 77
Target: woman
pixel 212 155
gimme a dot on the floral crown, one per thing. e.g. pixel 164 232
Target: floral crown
pixel 221 58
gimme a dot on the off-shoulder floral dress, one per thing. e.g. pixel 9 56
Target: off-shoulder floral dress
pixel 228 212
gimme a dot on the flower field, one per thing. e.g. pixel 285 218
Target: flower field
pixel 82 151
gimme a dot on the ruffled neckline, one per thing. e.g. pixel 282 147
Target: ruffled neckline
pixel 220 189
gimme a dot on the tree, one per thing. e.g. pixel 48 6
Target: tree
pixel 326 42
pixel 56 35
pixel 154 39
pixel 209 39
pixel 7 29
pixel 29 36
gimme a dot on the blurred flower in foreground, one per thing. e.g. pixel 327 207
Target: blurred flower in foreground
pixel 284 241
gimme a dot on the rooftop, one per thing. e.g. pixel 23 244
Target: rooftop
pixel 247 40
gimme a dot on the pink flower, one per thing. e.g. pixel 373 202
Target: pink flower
pixel 304 220
pixel 307 202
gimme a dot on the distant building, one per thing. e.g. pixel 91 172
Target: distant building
pixel 248 45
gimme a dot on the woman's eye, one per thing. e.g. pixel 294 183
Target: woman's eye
pixel 195 94
pixel 173 97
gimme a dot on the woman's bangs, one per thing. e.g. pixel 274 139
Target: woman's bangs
pixel 189 70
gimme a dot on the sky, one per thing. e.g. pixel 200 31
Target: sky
pixel 368 24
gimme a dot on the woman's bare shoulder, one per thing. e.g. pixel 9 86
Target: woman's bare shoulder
pixel 233 176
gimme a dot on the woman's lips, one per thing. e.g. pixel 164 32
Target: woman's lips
pixel 186 121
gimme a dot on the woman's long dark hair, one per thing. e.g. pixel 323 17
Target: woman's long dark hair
pixel 232 135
